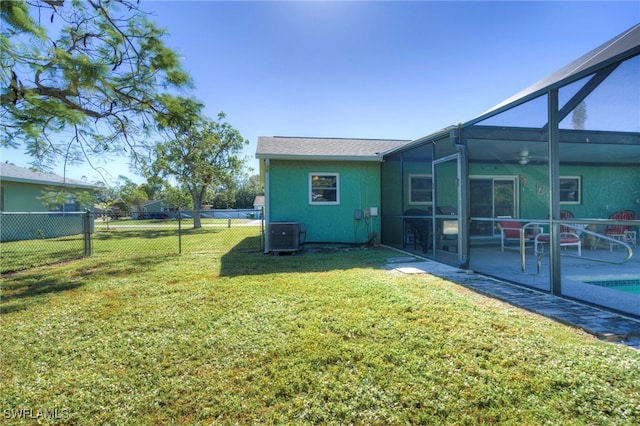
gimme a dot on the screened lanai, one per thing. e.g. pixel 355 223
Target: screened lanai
pixel 542 190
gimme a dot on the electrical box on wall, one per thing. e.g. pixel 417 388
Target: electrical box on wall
pixel 357 214
pixel 373 211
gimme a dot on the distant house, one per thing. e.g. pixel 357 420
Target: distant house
pixel 153 209
pixel 258 202
pixel 22 189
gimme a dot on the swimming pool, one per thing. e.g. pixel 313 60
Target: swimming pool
pixel 630 285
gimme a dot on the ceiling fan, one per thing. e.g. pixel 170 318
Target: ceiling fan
pixel 524 157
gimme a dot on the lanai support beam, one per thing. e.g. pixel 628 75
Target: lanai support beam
pixel 554 193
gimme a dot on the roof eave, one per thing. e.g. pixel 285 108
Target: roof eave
pixel 440 134
pixel 51 183
pixel 294 157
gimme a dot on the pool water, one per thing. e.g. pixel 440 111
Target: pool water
pixel 628 285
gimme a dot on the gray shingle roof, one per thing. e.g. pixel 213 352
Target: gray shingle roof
pixel 291 148
pixel 11 173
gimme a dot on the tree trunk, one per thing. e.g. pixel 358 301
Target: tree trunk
pixel 197 206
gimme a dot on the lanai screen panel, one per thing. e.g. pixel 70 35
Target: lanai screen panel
pixel 600 141
pixel 508 166
pixel 600 180
pixel 508 189
pixel 407 199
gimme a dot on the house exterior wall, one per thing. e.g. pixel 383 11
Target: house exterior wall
pixel 157 206
pixel 22 197
pixel 605 189
pixel 359 186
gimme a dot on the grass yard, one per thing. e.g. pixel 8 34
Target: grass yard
pixel 128 238
pixel 227 335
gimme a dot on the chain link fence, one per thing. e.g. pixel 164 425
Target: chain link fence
pixel 29 240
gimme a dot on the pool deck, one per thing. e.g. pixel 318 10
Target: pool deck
pixel 603 324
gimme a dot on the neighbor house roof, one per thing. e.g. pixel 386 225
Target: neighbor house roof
pixel 152 202
pixel 297 148
pixel 11 173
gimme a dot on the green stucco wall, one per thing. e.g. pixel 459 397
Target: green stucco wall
pixel 605 189
pixel 359 190
pixel 22 197
pixel 25 216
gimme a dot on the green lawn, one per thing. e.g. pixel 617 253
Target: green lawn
pixel 227 335
pixel 101 224
pixel 123 237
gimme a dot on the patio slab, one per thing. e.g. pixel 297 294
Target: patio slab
pixel 603 324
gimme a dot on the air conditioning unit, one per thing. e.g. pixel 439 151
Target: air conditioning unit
pixel 284 236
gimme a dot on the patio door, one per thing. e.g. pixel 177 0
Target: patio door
pixel 491 197
pixel 446 174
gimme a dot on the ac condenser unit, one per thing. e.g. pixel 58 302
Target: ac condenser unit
pixel 284 236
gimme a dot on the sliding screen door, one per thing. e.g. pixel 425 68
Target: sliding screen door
pixel 491 197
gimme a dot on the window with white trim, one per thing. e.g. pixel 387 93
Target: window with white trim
pixel 570 190
pixel 420 189
pixel 324 188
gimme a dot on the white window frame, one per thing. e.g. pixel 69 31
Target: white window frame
pixel 411 200
pixel 578 190
pixel 324 203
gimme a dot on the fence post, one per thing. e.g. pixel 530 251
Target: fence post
pixel 179 232
pixel 86 230
pixel 263 241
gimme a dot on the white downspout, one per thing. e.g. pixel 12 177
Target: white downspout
pixel 267 202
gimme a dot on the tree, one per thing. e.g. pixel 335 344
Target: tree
pixel 199 153
pixel 154 188
pixel 247 191
pixel 239 193
pixel 179 198
pixel 130 194
pixel 223 196
pixel 81 78
pixel 55 198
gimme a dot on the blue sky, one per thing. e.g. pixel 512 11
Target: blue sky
pixel 397 70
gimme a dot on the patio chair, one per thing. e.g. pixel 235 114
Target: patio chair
pixel 568 236
pixel 621 232
pixel 567 239
pixel 566 214
pixel 575 228
pixel 510 231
